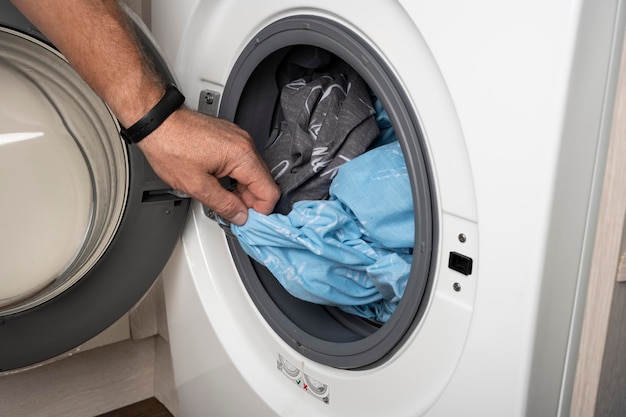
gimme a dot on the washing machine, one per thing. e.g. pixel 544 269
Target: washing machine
pixel 86 224
pixel 503 111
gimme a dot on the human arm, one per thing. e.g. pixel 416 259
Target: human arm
pixel 189 151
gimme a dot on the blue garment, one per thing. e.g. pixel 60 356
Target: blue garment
pixel 354 250
pixel 386 132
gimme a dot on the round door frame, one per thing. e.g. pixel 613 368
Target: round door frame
pixel 149 230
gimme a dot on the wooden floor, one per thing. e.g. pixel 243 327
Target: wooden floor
pixel 147 408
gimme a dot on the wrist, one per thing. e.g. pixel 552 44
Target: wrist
pixel 168 131
pixel 171 101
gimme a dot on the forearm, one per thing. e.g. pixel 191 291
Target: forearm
pixel 85 32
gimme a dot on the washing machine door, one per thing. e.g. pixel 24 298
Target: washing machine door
pixel 86 226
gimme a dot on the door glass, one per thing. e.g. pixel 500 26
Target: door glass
pixel 63 174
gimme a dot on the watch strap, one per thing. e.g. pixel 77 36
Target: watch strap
pixel 169 103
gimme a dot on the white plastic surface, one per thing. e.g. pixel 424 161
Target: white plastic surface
pixel 531 85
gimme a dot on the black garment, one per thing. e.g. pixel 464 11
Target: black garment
pixel 327 119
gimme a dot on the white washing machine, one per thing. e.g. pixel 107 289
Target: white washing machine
pixel 85 225
pixel 503 111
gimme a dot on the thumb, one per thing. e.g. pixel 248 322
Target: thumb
pixel 224 203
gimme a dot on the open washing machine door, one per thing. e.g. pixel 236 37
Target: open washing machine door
pixel 86 224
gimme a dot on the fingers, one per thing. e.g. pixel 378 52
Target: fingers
pixel 226 204
pixel 233 206
pixel 190 151
pixel 260 197
pixel 255 186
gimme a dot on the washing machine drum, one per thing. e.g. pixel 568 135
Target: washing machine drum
pixel 86 225
pixel 327 334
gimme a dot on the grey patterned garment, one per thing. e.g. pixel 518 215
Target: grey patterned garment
pixel 328 120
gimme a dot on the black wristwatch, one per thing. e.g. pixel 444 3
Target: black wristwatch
pixel 169 103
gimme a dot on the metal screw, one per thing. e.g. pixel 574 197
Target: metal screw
pixel 208 98
pixel 456 287
pixel 462 238
pixel 209 213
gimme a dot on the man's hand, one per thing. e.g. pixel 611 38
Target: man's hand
pixel 191 151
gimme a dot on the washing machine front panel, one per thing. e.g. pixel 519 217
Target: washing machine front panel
pixel 531 84
pixel 83 216
pixel 237 333
pixel 249 89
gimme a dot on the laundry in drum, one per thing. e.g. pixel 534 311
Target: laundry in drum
pixel 325 118
pixel 342 234
pixel 354 250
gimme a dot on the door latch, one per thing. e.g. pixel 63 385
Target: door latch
pixel 209 102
